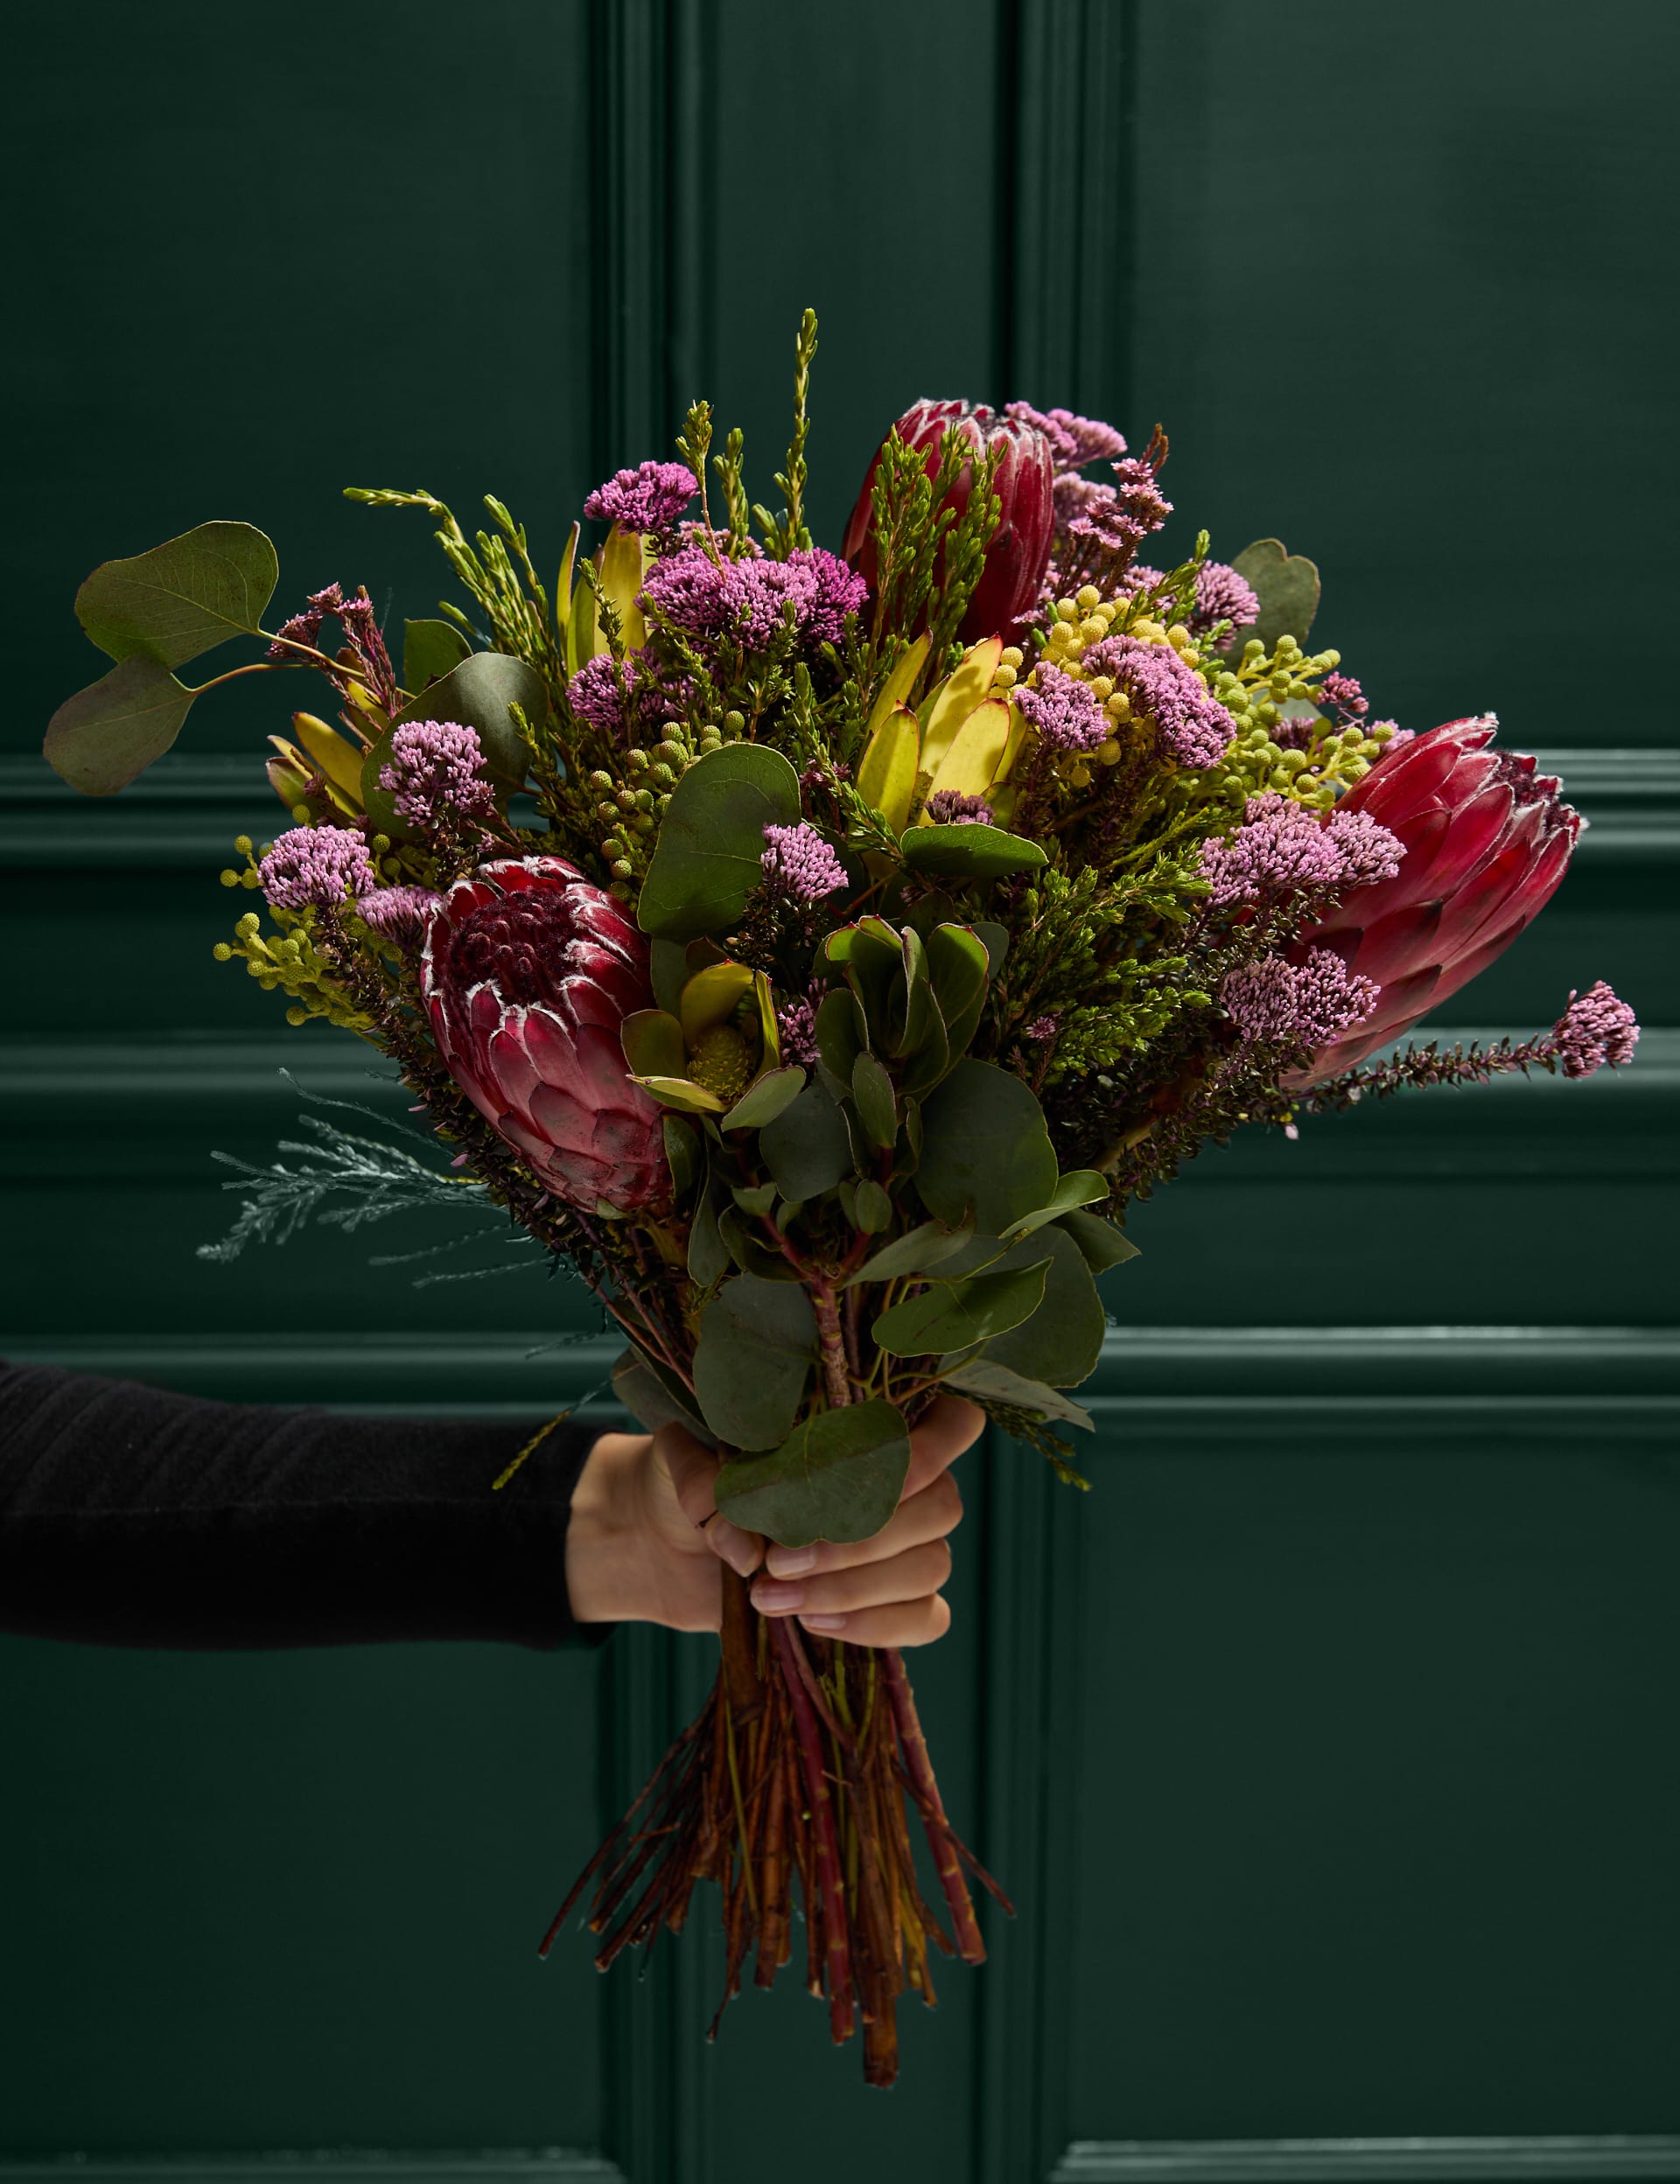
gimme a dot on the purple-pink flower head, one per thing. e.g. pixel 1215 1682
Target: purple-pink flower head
pixel 1066 713
pixel 833 590
pixel 319 865
pixel 1194 729
pixel 1594 1029
pixel 799 864
pixel 1273 1001
pixel 1074 441
pixel 436 777
pixel 950 808
pixel 797 1027
pixel 398 914
pixel 1283 849
pixel 648 498
pixel 622 699
pixel 1222 596
pixel 692 589
pixel 1343 699
pixel 749 599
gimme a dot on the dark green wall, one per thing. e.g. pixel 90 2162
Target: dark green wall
pixel 1326 1746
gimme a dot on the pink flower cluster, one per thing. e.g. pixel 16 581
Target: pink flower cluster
pixel 950 808
pixel 799 864
pixel 1066 713
pixel 649 498
pixel 1595 1029
pixel 1283 849
pixel 1222 596
pixel 321 866
pixel 436 776
pixel 619 697
pixel 1304 1005
pixel 398 914
pixel 749 599
pixel 1194 729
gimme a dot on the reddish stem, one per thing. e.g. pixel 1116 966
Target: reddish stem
pixel 831 1885
pixel 941 1841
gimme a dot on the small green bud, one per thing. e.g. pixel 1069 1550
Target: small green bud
pixel 300 812
pixel 639 761
pixel 229 877
pixel 623 869
pixel 664 776
pixel 599 782
pixel 734 722
pixel 249 926
pixel 643 822
pixel 242 843
pixel 222 953
pixel 381 844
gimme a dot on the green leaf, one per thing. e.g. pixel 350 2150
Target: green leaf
pixel 985 1147
pixel 751 1255
pixel 1102 1244
pixel 758 1200
pixel 918 1251
pixel 654 1396
pixel 839 1032
pixel 706 861
pixel 1063 1339
pixel 995 940
pixel 101 739
pixel 430 651
pixel 652 1044
pixel 752 1360
pixel 878 1109
pixel 477 695
pixel 764 1100
pixel 955 1315
pixel 184 597
pixel 960 968
pixel 707 1253
pixel 808 1148
pixel 1079 1186
pixel 838 1476
pixel 983 1378
pixel 683 1094
pixel 684 1155
pixel 1287 587
pixel 968 852
pixel 872 1206
pixel 668 968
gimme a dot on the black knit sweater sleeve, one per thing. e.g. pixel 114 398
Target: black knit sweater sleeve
pixel 132 1517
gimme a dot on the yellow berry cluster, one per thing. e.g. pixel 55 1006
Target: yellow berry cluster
pixel 291 961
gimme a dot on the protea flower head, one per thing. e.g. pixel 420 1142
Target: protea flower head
pixel 1486 842
pixel 529 972
pixel 1019 556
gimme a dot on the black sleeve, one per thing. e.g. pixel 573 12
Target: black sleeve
pixel 132 1517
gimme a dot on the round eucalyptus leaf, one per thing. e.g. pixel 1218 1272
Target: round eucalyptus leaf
pixel 985 1149
pixel 707 858
pixel 102 738
pixel 183 597
pixel 836 1476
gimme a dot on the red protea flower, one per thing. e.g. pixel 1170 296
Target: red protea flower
pixel 529 973
pixel 1486 840
pixel 1019 553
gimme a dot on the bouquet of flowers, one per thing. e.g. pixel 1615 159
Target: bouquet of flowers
pixel 818 953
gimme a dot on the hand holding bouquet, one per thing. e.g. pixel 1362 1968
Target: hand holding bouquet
pixel 819 953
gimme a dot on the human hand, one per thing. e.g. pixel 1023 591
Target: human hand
pixel 646 1539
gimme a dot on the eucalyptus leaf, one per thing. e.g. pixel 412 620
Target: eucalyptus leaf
pixel 837 1476
pixel 872 1209
pixel 878 1109
pixel 807 1148
pixel 651 1040
pixel 955 1315
pixel 995 940
pixel 183 597
pixel 1061 1342
pixel 654 1396
pixel 708 1253
pixel 983 1378
pixel 751 1255
pixel 1287 587
pixel 763 1100
pixel 753 1359
pixel 918 1251
pixel 682 1154
pixel 668 970
pixel 1101 1243
pixel 478 693
pixel 706 862
pixel 840 1038
pixel 102 738
pixel 985 1148
pixel 1079 1186
pixel 968 852
pixel 431 650
pixel 757 1200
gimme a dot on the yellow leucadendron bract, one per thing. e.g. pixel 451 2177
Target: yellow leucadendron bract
pixel 962 736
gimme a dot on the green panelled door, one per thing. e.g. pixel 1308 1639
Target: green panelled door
pixel 1327 1745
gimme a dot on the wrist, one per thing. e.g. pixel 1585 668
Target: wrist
pixel 608 1574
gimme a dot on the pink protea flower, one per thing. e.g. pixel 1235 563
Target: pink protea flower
pixel 1019 553
pixel 529 972
pixel 1487 842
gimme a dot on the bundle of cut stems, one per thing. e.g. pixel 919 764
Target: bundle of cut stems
pixel 803 1763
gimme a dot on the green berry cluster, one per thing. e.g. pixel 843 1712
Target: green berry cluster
pixel 291 961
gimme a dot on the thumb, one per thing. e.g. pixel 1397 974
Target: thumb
pixel 692 1469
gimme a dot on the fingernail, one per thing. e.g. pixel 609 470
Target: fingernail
pixel 741 1554
pixel 775 1600
pixel 790 1562
pixel 824 1622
